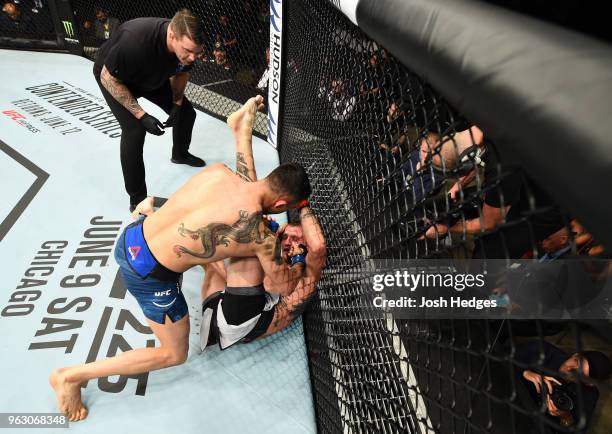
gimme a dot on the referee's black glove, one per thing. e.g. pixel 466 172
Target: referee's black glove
pixel 173 116
pixel 152 125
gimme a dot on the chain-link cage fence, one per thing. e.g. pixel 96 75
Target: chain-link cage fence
pixel 232 68
pixel 398 173
pixel 24 21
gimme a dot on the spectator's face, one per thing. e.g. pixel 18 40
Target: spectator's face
pixel 219 56
pixel 292 235
pixel 392 112
pixel 430 147
pixel 87 25
pixel 575 363
pixel 267 55
pixel 374 60
pixel 223 20
pixel 186 50
pixel 337 87
pixel 100 15
pixel 10 9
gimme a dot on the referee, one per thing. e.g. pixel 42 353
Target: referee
pixel 150 58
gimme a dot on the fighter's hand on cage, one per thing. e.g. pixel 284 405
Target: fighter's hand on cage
pixel 173 116
pixel 145 208
pixel 152 125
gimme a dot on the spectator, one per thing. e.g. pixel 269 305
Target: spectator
pixel 263 15
pixel 87 32
pixel 558 244
pixel 220 56
pixel 14 22
pixel 342 103
pixel 372 87
pixel 104 25
pixel 41 19
pixel 515 194
pixel 555 368
pixel 259 33
pixel 226 35
pixel 393 137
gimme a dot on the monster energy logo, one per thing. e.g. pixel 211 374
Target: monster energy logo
pixel 68 28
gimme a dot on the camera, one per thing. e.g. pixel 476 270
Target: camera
pixel 564 396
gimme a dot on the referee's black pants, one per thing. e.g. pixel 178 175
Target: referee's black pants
pixel 133 135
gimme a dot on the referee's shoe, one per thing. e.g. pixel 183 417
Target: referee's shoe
pixel 189 159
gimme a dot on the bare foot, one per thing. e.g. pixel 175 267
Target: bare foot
pixel 68 396
pixel 241 122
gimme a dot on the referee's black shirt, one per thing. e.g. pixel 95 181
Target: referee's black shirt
pixel 137 54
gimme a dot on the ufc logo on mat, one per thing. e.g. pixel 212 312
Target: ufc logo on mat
pixel 162 293
pixel 14 115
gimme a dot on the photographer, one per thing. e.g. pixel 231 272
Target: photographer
pixel 556 383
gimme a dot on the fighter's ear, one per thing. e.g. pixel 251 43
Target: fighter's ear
pixel 280 203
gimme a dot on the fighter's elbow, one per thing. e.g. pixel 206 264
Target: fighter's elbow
pixel 106 78
pixel 283 289
pixel 318 249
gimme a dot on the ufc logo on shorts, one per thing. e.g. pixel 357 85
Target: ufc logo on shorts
pixel 162 293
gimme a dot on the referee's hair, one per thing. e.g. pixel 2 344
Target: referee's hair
pixel 186 23
pixel 290 179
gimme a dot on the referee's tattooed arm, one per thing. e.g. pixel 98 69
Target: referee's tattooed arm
pixel 121 93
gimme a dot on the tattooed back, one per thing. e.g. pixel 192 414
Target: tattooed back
pixel 214 216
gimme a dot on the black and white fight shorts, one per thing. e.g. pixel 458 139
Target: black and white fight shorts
pixel 238 314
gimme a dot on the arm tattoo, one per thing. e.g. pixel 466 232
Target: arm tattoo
pixel 300 307
pixel 280 314
pixel 120 92
pixel 277 251
pixel 245 230
pixel 284 315
pixel 272 247
pixel 241 167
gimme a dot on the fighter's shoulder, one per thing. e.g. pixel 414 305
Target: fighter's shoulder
pixel 217 171
pixel 218 167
